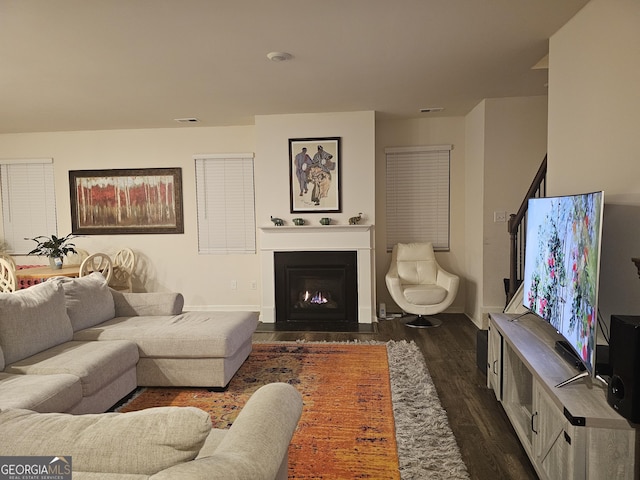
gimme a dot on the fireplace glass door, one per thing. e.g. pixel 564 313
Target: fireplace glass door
pixel 316 287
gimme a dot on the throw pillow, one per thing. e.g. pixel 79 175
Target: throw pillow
pixel 89 300
pixel 32 320
pixel 143 442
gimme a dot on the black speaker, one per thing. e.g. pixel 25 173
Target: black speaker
pixel 624 357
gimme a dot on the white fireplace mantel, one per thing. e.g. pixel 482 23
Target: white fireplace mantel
pixel 358 238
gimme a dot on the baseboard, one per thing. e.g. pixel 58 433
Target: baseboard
pixel 221 308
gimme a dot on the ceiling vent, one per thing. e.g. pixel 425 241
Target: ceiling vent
pixel 431 109
pixel 186 120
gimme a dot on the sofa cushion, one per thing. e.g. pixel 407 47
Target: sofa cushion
pixel 42 393
pixel 88 300
pixel 96 364
pixel 130 304
pixel 143 442
pixel 188 335
pixel 33 320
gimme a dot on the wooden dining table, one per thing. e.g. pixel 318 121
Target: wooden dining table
pixel 42 273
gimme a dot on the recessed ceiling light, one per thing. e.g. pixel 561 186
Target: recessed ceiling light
pixel 187 120
pixel 279 56
pixel 431 109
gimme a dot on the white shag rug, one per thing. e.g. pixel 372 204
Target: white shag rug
pixel 427 448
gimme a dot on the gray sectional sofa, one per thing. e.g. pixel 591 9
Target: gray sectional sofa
pixel 165 443
pixel 75 346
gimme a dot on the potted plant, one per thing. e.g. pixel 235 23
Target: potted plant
pixel 53 247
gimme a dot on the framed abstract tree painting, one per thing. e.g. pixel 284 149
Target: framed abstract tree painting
pixel 124 201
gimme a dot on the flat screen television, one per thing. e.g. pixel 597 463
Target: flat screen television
pixel 561 270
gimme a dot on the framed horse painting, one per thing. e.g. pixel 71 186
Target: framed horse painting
pixel 314 174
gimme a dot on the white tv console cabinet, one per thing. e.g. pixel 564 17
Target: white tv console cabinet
pixel 569 432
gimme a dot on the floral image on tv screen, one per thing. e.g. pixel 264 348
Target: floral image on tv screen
pixel 561 266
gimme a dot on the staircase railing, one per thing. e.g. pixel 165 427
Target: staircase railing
pixel 517 227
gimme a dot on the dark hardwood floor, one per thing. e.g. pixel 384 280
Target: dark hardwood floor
pixel 489 446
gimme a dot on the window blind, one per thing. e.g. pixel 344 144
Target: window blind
pixel 418 195
pixel 225 203
pixel 28 202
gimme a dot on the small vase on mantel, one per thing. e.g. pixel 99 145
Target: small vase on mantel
pixel 55 262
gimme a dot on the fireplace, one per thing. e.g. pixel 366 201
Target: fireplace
pixel 316 289
pixel 319 238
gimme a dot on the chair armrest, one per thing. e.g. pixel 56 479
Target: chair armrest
pixel 446 279
pixel 256 445
pixel 147 303
pixel 450 282
pixel 395 289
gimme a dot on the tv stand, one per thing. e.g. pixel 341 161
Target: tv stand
pixel 570 432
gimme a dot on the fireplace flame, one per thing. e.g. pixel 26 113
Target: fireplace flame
pixel 317 298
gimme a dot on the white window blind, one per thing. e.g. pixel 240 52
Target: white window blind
pixel 225 203
pixel 418 195
pixel 28 202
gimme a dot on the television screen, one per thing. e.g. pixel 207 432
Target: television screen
pixel 562 265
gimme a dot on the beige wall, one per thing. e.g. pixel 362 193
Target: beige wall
pixel 357 133
pixel 474 201
pixel 417 132
pixel 515 145
pixel 594 115
pixel 506 142
pixel 167 262
pixel 171 262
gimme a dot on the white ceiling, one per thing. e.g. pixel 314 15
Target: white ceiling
pixel 111 64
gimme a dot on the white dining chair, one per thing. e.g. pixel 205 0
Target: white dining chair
pixel 8 279
pixel 97 262
pixel 124 264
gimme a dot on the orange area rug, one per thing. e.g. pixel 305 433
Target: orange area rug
pixel 347 427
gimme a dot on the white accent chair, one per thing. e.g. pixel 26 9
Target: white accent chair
pixel 124 264
pixel 8 279
pixel 418 284
pixel 98 262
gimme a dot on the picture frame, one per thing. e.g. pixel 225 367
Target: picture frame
pixel 315 166
pixel 126 201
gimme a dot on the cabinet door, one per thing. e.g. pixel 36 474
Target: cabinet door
pixel 494 362
pixel 517 395
pixel 555 440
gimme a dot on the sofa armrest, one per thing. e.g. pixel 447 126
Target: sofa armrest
pixel 147 303
pixel 256 445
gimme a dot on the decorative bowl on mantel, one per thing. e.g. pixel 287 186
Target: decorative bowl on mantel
pixel 298 221
pixel 325 221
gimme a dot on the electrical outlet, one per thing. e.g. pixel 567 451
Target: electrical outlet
pixel 500 217
pixel 254 285
pixel 234 285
